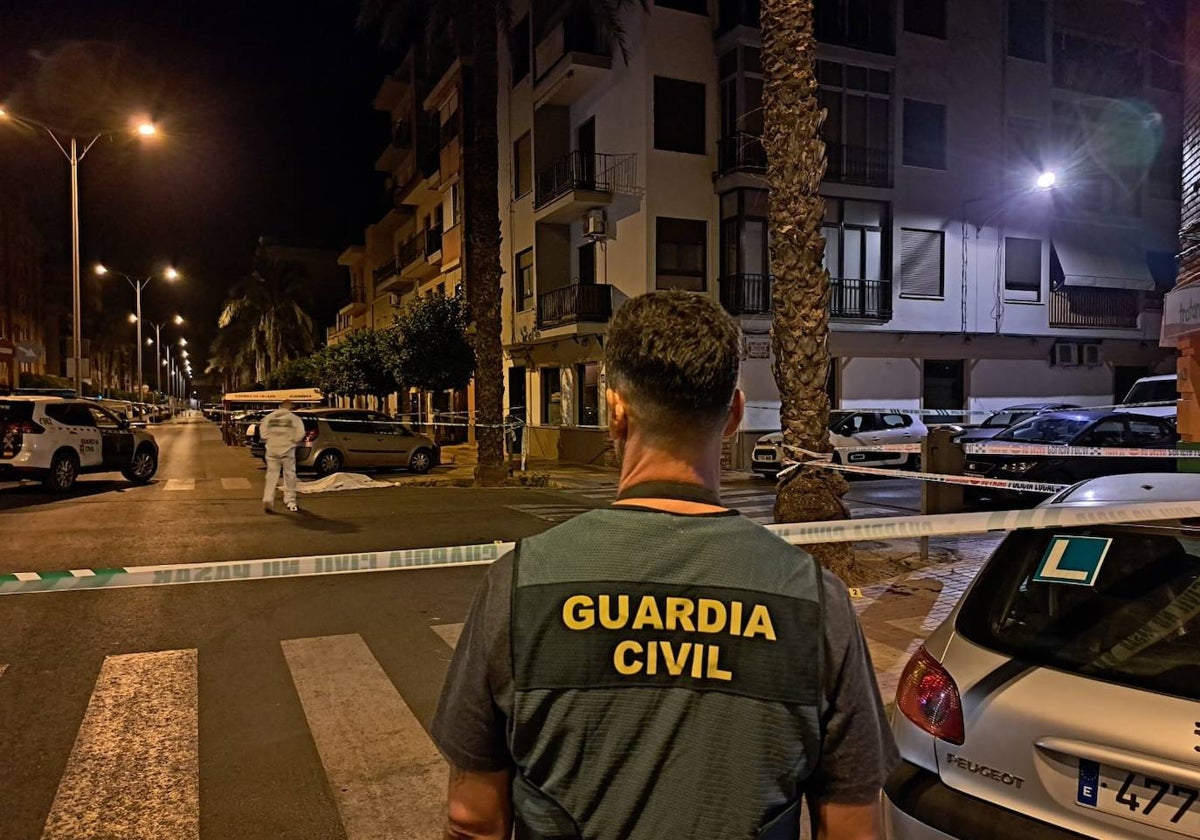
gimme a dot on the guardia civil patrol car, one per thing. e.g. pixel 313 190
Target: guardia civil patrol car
pixel 54 440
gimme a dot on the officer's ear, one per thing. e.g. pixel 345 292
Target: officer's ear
pixel 737 409
pixel 618 415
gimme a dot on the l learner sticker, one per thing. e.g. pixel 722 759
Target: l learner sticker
pixel 1073 560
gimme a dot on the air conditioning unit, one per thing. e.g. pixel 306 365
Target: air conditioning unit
pixel 1065 355
pixel 595 224
pixel 1089 354
pixel 393 299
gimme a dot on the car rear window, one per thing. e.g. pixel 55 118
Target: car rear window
pixel 1154 390
pixel 13 411
pixel 1046 428
pixel 1138 625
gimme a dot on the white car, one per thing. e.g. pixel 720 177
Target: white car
pixel 1061 697
pixel 1154 389
pixel 56 440
pixel 848 429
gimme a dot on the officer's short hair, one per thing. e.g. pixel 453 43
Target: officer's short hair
pixel 674 357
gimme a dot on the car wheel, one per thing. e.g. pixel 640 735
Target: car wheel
pixel 421 461
pixel 64 469
pixel 143 467
pixel 913 463
pixel 328 462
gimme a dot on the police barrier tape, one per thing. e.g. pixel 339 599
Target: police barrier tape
pixel 1046 449
pixel 959 412
pixel 805 533
pixel 942 478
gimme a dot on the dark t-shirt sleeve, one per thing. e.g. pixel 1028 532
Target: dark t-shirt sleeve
pixel 469 726
pixel 858 751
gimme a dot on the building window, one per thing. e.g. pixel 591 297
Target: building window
pixel 1027 29
pixel 744 242
pixel 1099 182
pixel 587 379
pixel 680 248
pixel 741 117
pixel 551 396
pixel 924 134
pixel 857 131
pixel 679 116
pixel 925 17
pixel 1097 67
pixel 862 24
pixel 518 46
pixel 922 263
pixel 696 7
pixel 856 256
pixel 522 165
pixel 1022 268
pixel 523 289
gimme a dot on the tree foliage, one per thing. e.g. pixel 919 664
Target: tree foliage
pixel 433 350
pixel 363 363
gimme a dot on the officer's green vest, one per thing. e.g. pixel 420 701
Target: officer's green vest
pixel 667 674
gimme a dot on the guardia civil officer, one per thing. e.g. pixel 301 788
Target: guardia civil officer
pixel 663 669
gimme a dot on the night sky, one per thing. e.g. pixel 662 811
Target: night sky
pixel 265 109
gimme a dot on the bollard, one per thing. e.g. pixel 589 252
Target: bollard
pixel 940 454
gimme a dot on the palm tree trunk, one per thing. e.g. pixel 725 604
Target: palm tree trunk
pixel 482 246
pixel 800 330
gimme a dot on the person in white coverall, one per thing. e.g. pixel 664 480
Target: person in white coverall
pixel 281 431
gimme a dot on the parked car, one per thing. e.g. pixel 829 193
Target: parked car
pixel 1154 389
pixel 1082 427
pixel 1005 417
pixel 850 429
pixel 1059 698
pixel 55 440
pixel 346 438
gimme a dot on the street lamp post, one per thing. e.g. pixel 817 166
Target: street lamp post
pixel 138 284
pixel 74 158
pixel 158 345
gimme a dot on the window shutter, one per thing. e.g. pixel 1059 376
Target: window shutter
pixel 921 262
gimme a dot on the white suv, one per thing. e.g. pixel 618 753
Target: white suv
pixel 56 440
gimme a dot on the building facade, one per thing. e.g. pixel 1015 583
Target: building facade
pixel 957 281
pixel 24 308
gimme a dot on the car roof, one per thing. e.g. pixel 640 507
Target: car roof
pixel 1038 406
pixel 37 398
pixel 1129 488
pixel 1093 414
pixel 1162 377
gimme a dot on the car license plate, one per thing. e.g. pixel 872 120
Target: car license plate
pixel 764 456
pixel 1138 797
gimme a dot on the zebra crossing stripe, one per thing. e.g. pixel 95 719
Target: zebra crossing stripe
pixel 387 777
pixel 180 484
pixel 134 770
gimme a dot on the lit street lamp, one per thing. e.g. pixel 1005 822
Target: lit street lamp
pixel 71 152
pixel 157 340
pixel 138 284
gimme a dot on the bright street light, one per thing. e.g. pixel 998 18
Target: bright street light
pixel 183 342
pixel 133 319
pixel 69 147
pixel 100 270
pixel 1046 180
pixel 170 273
pixel 138 284
pixel 149 341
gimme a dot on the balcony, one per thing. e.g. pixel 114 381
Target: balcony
pixel 569 60
pixel 747 294
pixel 578 303
pixel 734 13
pixel 859 165
pixel 860 300
pixel 579 182
pixel 1095 308
pixel 860 25
pixel 385 270
pixel 741 152
pixel 356 304
pixel 389 277
pixel 433 244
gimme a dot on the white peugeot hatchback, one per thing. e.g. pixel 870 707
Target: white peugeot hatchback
pixel 1061 698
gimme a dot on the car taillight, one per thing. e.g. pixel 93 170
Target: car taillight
pixel 310 436
pixel 928 696
pixel 28 427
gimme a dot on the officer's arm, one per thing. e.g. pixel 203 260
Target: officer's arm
pixel 847 822
pixel 480 807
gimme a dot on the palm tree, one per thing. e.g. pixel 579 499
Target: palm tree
pixel 800 331
pixel 269 308
pixel 475 26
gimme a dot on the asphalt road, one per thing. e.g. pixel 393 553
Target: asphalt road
pixel 293 708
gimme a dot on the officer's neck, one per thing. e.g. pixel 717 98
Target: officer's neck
pixel 645 461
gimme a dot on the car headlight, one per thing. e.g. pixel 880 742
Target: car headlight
pixel 1019 466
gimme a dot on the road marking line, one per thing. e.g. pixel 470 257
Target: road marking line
pixel 235 483
pixel 450 633
pixel 80 573
pixel 134 770
pixel 180 484
pixel 387 777
pixel 26 577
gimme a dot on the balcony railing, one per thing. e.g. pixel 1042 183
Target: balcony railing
pixel 574 34
pixel 1082 306
pixel 746 294
pixel 575 304
pixel 733 13
pixel 859 165
pixel 411 251
pixel 579 171
pixel 741 152
pixel 863 300
pixel 433 241
pixel 386 270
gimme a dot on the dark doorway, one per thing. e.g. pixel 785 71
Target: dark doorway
pixel 1123 378
pixel 942 387
pixel 587 264
pixel 516 392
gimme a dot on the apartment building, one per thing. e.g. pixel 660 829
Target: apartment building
pixel 416 246
pixel 962 278
pixel 24 307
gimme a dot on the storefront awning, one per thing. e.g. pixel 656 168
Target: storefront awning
pixel 1108 257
